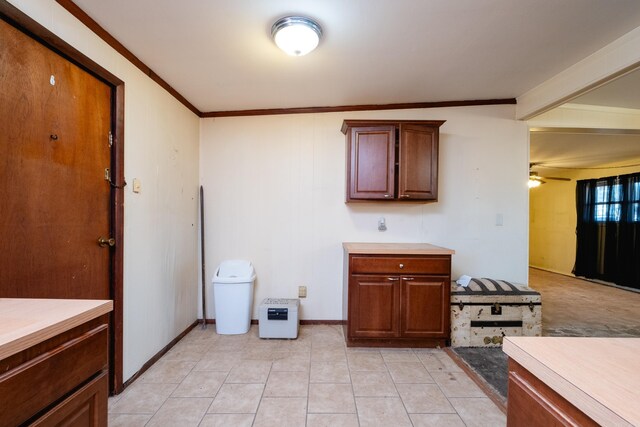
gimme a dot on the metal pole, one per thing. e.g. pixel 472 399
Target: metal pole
pixel 204 277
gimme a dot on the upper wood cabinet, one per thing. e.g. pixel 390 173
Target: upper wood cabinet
pixel 392 160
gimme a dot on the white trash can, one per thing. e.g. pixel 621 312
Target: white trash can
pixel 233 296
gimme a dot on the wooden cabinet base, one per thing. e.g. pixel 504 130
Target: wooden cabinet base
pixel 534 404
pixel 61 381
pixel 395 342
pixel 397 299
pixel 86 407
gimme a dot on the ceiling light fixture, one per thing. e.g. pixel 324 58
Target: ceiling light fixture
pixel 533 183
pixel 296 35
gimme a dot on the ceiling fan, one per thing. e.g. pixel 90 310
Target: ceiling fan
pixel 536 180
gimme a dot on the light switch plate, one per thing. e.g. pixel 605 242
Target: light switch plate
pixel 137 186
pixel 302 291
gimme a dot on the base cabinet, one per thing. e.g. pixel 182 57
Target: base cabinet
pixel 61 381
pixel 534 404
pixel 86 407
pixel 397 300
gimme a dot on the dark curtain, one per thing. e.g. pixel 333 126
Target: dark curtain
pixel 607 232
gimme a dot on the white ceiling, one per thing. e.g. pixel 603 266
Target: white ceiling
pixel 219 54
pixel 623 92
pixel 582 150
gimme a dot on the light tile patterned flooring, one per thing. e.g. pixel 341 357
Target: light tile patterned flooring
pixel 315 380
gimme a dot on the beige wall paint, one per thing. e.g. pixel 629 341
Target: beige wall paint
pixel 552 210
pixel 275 192
pixel 552 218
pixel 160 235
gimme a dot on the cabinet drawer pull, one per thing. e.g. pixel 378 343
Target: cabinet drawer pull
pixel 407 278
pixel 393 279
pixel 404 196
pixel 387 195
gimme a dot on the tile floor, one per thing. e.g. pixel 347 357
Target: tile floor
pixel 241 380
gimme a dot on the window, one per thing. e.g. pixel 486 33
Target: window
pixel 608 229
pixel 609 201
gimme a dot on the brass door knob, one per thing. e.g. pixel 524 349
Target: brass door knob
pixel 104 242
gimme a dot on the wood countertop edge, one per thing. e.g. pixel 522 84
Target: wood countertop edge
pixel 37 336
pixel 576 396
pixel 395 249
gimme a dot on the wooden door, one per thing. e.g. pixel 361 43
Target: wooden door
pixel 372 163
pixel 418 170
pixel 54 149
pixel 425 306
pixel 374 304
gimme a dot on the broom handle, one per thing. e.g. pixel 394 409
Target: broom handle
pixel 204 279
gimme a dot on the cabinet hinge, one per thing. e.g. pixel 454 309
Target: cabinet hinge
pixel 110 139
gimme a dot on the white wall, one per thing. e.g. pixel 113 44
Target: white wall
pixel 275 191
pixel 160 235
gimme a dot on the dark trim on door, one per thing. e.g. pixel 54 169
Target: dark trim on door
pixel 33 29
pixel 117 258
pixel 82 16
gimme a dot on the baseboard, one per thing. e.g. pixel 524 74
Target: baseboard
pixel 158 355
pixel 323 322
pixel 550 270
pixel 302 322
pixel 594 281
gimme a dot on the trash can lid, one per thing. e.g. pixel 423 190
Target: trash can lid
pixel 235 268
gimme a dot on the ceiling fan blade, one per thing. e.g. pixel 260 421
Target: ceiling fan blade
pixel 556 178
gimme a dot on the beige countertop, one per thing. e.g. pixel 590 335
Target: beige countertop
pixel 395 249
pixel 27 322
pixel 599 376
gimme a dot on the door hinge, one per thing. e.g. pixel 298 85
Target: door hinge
pixel 110 139
pixel 107 174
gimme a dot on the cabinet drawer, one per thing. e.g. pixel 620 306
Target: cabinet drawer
pixel 401 265
pixel 32 386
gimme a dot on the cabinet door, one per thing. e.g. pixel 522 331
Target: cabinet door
pixel 418 178
pixel 372 162
pixel 86 407
pixel 425 306
pixel 374 306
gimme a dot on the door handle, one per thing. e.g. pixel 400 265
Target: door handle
pixel 104 242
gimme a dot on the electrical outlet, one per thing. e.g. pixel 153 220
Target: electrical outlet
pixel 302 291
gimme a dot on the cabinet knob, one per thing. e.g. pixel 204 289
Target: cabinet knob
pixel 401 265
